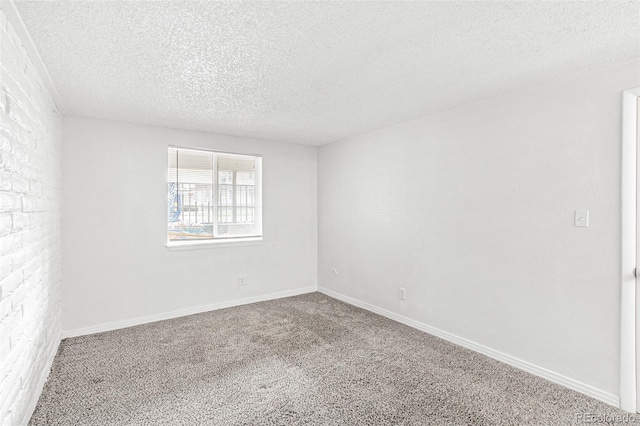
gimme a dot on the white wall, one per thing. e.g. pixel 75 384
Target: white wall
pixel 30 227
pixel 472 212
pixel 116 265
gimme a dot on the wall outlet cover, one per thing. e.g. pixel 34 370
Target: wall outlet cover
pixel 402 293
pixel 582 218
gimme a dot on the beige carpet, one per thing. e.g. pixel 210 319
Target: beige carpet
pixel 304 360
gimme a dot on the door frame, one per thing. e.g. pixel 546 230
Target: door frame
pixel 629 297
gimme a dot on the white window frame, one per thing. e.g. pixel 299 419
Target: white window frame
pixel 217 242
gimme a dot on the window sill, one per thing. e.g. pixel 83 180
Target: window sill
pixel 210 244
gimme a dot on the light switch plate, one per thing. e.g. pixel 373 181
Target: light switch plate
pixel 582 218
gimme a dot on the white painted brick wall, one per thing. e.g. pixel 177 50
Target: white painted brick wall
pixel 30 230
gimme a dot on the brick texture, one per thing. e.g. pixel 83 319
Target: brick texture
pixel 30 230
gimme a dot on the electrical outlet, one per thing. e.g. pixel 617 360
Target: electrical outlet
pixel 402 293
pixel 242 281
pixel 581 218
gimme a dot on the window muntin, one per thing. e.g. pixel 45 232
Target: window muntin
pixel 213 195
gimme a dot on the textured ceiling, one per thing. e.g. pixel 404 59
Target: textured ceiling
pixel 312 72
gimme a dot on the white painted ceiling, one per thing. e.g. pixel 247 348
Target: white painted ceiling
pixel 313 72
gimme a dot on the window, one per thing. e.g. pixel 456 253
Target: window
pixel 213 195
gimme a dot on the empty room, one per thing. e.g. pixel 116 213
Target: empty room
pixel 319 212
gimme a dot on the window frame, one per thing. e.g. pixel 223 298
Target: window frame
pixel 220 241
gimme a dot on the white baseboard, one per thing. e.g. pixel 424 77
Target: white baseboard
pixel 507 359
pixel 183 312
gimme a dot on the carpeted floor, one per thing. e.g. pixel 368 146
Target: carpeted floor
pixel 304 360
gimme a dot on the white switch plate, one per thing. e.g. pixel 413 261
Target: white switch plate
pixel 582 218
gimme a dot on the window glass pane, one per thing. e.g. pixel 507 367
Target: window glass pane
pixel 236 200
pixel 246 178
pixel 211 194
pixel 190 194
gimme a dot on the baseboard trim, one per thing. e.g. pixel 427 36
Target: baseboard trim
pixel 492 353
pixel 183 312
